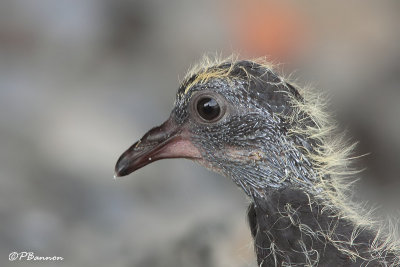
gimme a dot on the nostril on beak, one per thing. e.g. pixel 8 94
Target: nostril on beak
pixel 163 142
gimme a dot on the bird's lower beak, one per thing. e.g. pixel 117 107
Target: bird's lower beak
pixel 168 140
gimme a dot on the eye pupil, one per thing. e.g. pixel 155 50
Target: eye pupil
pixel 208 108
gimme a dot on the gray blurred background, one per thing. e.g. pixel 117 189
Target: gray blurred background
pixel 81 80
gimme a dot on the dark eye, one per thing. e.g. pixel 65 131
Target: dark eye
pixel 208 108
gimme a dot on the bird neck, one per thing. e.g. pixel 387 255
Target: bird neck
pixel 293 228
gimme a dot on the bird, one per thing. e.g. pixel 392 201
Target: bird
pixel 275 140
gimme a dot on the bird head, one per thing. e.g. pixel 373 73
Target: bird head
pixel 232 118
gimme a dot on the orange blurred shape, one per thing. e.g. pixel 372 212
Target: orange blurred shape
pixel 276 29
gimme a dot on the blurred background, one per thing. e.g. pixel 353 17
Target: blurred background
pixel 81 80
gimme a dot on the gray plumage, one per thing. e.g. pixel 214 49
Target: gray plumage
pixel 241 119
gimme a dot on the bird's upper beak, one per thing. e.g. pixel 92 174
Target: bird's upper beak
pixel 168 140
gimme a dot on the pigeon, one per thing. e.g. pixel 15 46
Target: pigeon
pixel 274 140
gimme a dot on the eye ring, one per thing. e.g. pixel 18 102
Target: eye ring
pixel 208 107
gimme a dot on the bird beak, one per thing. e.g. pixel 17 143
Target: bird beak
pixel 168 140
